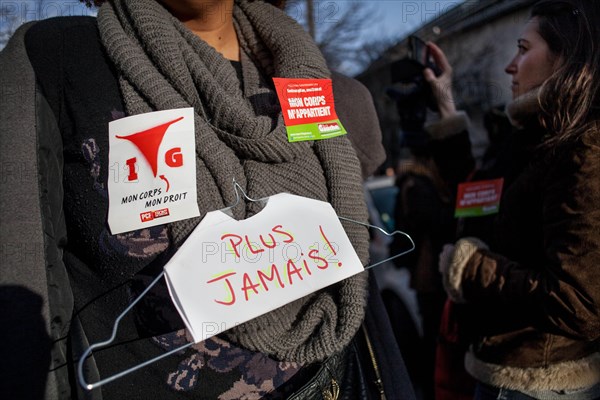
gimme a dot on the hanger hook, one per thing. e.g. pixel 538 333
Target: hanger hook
pixel 237 188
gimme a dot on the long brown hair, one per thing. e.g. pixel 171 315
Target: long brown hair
pixel 570 98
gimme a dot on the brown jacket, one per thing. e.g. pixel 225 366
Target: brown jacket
pixel 535 294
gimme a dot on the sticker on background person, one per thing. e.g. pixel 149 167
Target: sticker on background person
pixel 308 109
pixel 476 199
pixel 153 164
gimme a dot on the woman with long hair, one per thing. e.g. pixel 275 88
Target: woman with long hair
pixel 533 287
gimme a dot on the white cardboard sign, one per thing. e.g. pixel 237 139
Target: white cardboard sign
pixel 152 179
pixel 228 272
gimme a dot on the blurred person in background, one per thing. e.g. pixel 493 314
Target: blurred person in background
pixel 440 158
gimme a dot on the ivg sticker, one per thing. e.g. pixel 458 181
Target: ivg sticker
pixel 153 164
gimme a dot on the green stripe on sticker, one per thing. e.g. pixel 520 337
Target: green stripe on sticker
pixel 479 211
pixel 315 131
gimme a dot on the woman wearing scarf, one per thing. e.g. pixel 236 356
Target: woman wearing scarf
pixel 72 77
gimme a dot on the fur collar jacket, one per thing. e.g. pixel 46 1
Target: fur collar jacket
pixel 534 289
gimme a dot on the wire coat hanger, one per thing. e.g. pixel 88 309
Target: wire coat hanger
pixel 237 188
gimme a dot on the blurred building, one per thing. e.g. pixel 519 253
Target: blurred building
pixel 479 37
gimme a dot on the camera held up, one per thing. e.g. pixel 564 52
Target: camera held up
pixel 411 92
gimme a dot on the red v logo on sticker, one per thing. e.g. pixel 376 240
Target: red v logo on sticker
pixel 149 141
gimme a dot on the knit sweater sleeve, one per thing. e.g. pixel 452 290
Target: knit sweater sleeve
pixel 31 230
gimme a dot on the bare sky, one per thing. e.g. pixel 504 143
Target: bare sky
pixel 391 18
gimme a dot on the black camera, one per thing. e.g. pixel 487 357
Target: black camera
pixel 409 89
pixel 418 51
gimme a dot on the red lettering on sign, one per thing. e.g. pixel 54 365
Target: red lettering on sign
pixel 327 240
pixel 229 287
pixel 279 276
pixel 234 243
pixel 306 267
pixel 293 270
pixel 255 248
pixel 277 228
pixel 252 250
pixel 267 245
pixel 131 164
pixel 174 158
pixel 314 255
pixel 249 285
pixel 274 273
